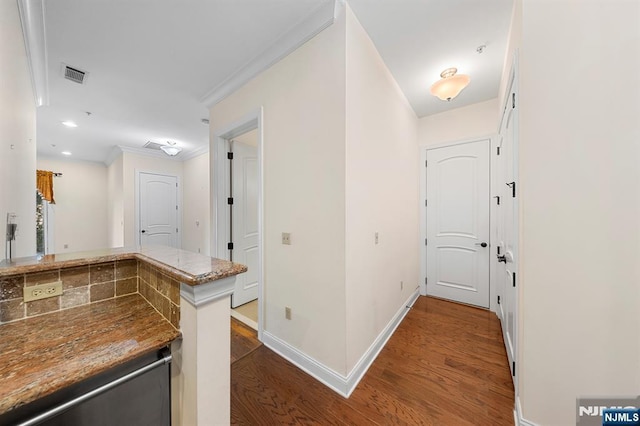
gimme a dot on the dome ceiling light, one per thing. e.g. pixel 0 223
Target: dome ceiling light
pixel 171 149
pixel 450 85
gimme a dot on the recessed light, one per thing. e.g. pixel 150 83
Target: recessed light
pixel 69 124
pixel 65 153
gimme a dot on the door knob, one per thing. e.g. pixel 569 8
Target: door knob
pixel 483 244
pixel 143 231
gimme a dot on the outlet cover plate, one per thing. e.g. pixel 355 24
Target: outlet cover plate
pixel 42 291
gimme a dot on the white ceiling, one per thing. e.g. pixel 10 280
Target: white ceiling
pixel 418 39
pixel 153 64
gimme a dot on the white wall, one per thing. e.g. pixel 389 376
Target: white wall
pixel 17 134
pixel 130 164
pixel 469 122
pixel 580 197
pixel 303 97
pixel 381 194
pixel 115 203
pixel 80 211
pixel 196 225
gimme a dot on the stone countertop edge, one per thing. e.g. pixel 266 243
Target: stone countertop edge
pixel 187 267
pixel 43 354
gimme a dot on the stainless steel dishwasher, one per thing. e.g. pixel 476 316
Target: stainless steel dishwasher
pixel 137 393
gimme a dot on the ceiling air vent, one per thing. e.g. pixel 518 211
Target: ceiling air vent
pixel 74 74
pixel 152 145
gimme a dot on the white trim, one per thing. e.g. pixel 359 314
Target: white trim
pixel 219 178
pixel 136 205
pixel 183 156
pixel 321 17
pixel 35 41
pixel 151 153
pixel 517 416
pixel 196 152
pixel 361 367
pixel 456 142
pixel 344 385
pixel 115 152
pixel 202 294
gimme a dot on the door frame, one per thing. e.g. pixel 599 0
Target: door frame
pixel 219 184
pixel 136 204
pixel 423 212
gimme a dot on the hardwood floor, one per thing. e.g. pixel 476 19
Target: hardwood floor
pixel 444 365
pixel 244 340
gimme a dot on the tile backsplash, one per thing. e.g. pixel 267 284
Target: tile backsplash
pixel 88 284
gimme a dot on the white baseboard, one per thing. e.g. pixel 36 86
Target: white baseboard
pixel 517 416
pixel 344 385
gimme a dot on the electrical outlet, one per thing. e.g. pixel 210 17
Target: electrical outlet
pixel 376 238
pixel 42 291
pixel 287 312
pixel 286 238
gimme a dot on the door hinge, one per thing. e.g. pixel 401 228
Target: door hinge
pixel 176 230
pixel 425 241
pixel 176 207
pixel 498 300
pixel 498 150
pixel 514 279
pixel 498 250
pixel 230 200
pixel 425 202
pixel 229 155
pixel 229 246
pixel 513 100
pixel 513 366
pixel 425 163
pixel 425 280
pixel 497 197
pixel 176 184
pixel 512 185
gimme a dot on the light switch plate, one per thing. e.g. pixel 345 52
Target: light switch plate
pixel 286 238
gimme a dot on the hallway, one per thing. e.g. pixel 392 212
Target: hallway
pixel 445 364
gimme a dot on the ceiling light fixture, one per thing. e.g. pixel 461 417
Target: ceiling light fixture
pixel 69 124
pixel 171 149
pixel 450 85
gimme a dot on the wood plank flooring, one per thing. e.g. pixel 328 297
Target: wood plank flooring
pixel 444 365
pixel 244 340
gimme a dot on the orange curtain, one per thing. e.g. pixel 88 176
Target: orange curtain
pixel 44 184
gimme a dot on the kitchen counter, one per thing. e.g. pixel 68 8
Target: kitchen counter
pixel 186 267
pixel 43 354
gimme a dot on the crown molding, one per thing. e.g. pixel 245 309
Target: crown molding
pixel 196 152
pixel 35 41
pixel 322 17
pixel 183 156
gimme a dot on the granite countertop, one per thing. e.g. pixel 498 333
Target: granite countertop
pixel 184 266
pixel 41 355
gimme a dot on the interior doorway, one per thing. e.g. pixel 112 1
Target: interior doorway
pixel 158 210
pixel 457 222
pixel 238 223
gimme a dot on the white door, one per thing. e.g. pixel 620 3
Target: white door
pixel 508 228
pixel 158 209
pixel 244 223
pixel 458 223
